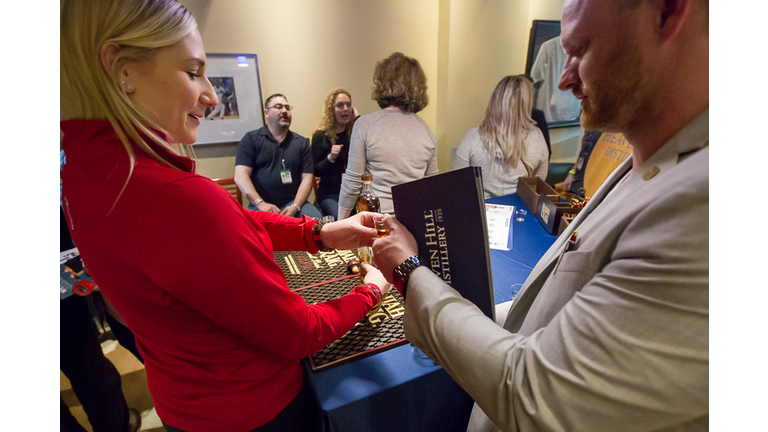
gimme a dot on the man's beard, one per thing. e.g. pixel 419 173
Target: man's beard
pixel 614 99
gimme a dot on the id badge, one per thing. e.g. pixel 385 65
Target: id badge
pixel 285 176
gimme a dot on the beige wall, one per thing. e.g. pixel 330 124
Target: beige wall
pixel 487 41
pixel 308 47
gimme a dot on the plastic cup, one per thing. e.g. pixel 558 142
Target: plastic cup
pixel 520 214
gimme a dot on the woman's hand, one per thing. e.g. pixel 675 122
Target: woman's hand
pixel 335 150
pixel 353 232
pixel 374 276
pixel 390 251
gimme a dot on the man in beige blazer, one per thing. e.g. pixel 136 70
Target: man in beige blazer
pixel 610 330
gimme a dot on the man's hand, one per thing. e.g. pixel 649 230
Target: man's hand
pixel 389 252
pixel 567 183
pixel 267 207
pixel 290 210
pixel 353 232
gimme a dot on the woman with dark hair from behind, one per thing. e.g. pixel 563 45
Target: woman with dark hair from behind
pixel 394 144
pixel 330 148
pixel 507 144
pixel 187 267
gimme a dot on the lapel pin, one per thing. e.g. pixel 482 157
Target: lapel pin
pixel 651 172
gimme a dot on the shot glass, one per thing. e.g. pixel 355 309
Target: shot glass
pixel 520 214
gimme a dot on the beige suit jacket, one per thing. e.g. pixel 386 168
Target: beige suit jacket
pixel 611 335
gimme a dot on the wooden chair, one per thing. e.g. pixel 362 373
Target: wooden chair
pixel 228 183
pixel 313 195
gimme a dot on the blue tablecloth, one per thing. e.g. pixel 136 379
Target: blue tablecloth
pixel 528 241
pixel 393 390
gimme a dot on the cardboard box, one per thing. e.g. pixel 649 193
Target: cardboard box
pixel 550 214
pixel 531 189
pixel 565 220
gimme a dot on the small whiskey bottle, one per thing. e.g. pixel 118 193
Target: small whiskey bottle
pixel 367 200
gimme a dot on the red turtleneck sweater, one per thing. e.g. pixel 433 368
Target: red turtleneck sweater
pixel 192 273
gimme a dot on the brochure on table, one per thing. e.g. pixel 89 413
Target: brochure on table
pixel 499 219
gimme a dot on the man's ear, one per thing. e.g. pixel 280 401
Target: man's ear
pixel 672 14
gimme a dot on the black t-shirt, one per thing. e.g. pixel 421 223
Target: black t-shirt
pixel 329 173
pixel 267 158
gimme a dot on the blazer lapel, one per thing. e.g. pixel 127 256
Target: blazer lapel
pixel 690 139
pixel 546 265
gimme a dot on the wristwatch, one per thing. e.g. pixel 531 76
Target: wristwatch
pixel 402 272
pixel 258 201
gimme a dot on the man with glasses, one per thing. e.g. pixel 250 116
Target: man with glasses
pixel 273 166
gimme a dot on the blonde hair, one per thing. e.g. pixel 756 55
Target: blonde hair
pixel 328 123
pixel 399 81
pixel 508 123
pixel 137 28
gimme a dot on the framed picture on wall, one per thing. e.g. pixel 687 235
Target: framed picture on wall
pixel 544 64
pixel 235 78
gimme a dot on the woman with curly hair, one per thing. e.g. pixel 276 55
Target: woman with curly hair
pixel 330 147
pixel 507 144
pixel 394 144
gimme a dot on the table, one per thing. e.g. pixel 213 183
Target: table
pixel 529 242
pixel 392 390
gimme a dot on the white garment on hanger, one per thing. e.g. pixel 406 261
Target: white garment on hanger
pixel 557 105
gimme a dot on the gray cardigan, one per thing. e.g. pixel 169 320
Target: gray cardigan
pixel 395 147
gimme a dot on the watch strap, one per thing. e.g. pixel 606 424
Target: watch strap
pixel 402 272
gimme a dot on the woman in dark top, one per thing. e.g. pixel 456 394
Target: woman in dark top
pixel 330 148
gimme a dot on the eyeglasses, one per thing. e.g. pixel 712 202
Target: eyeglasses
pixel 280 106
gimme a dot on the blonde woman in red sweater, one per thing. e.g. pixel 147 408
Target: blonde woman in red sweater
pixel 188 268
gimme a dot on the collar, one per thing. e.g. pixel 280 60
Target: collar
pixel 687 141
pixel 620 185
pixel 264 131
pixel 85 138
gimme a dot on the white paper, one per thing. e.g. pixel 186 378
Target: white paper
pixel 499 219
pixel 66 255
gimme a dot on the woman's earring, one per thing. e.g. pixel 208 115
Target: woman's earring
pixel 126 87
